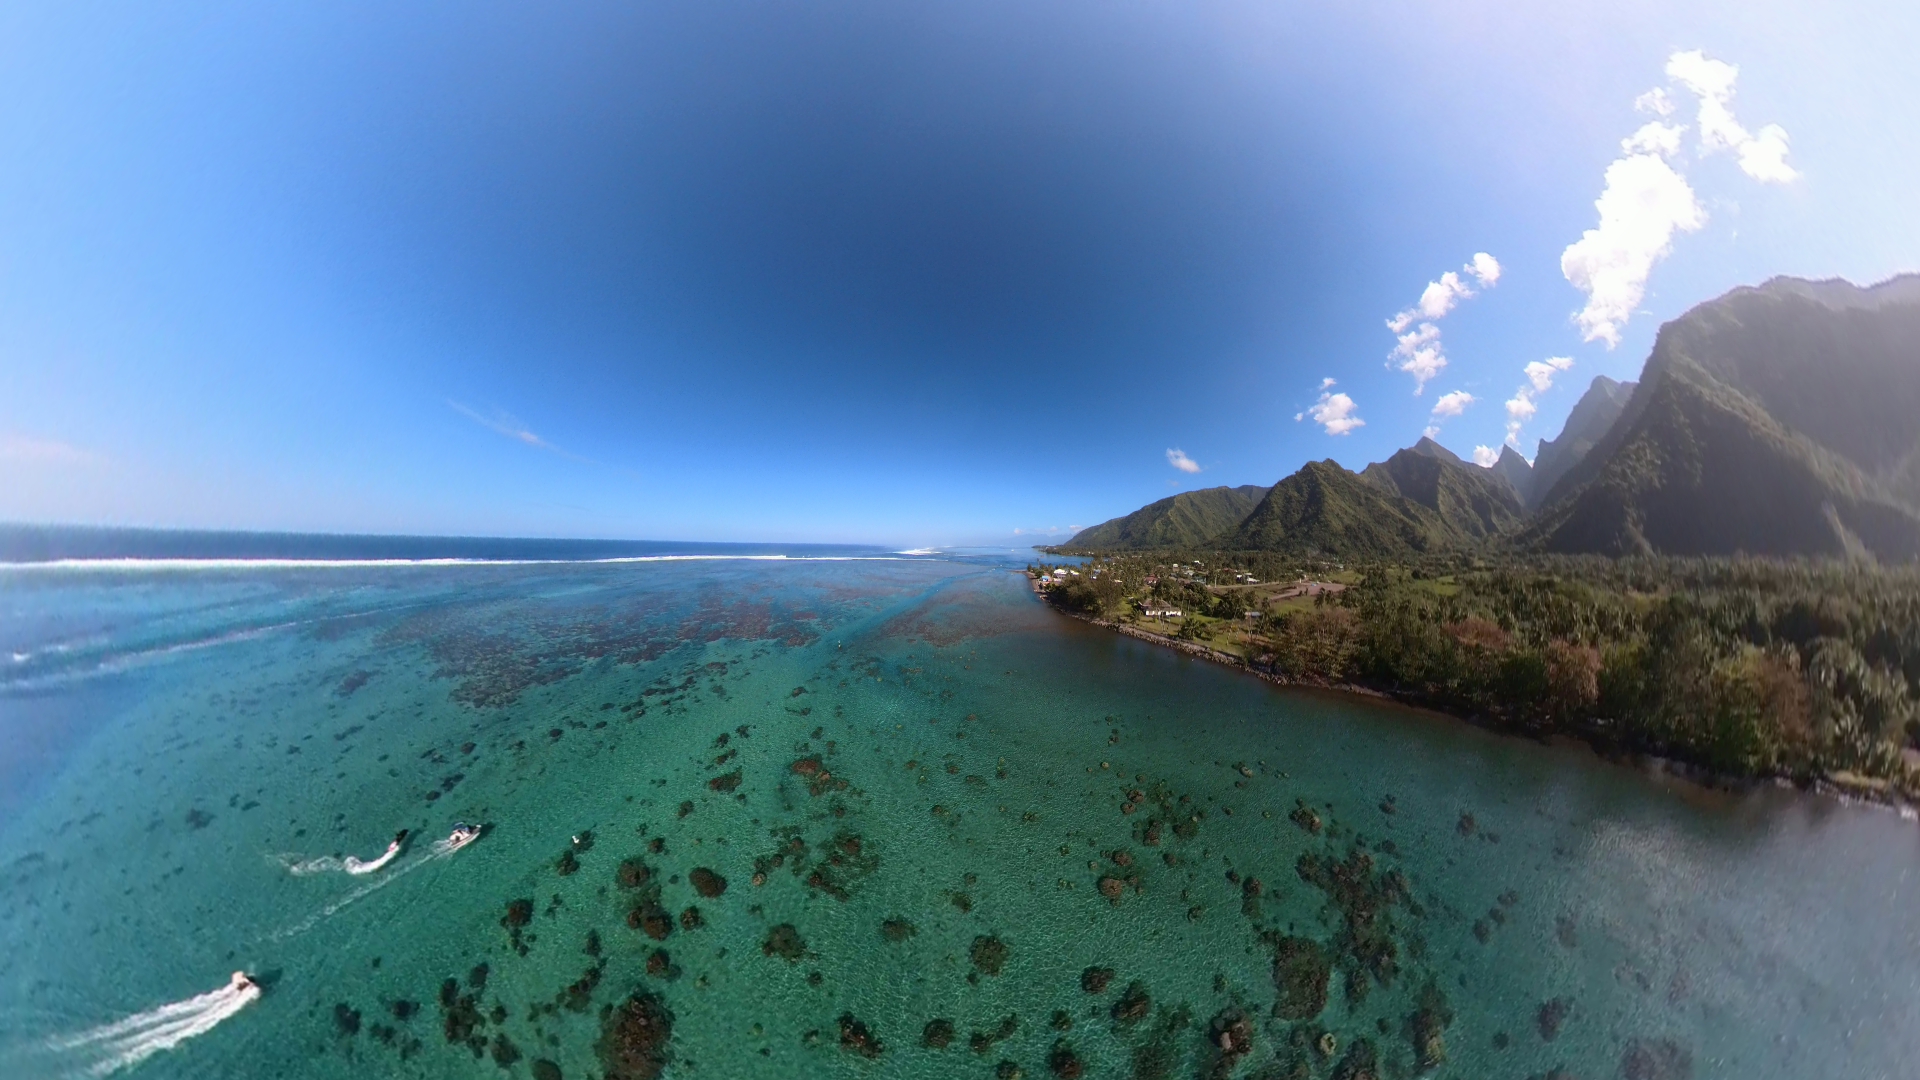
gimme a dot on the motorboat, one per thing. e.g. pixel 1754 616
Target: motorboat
pixel 462 835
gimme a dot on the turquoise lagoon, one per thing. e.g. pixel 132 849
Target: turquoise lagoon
pixel 913 795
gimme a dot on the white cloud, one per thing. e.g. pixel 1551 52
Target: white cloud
pixel 1654 101
pixel 1417 336
pixel 1179 460
pixel 26 448
pixel 1654 138
pixel 1764 157
pixel 1520 409
pixel 1644 203
pixel 1326 382
pixel 1484 268
pixel 1453 403
pixel 1541 372
pixel 1420 354
pixel 1485 456
pixel 1334 412
pixel 1439 297
pixel 1646 200
pixel 1521 406
pixel 1761 156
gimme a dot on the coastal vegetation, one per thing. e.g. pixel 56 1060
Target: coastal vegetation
pixel 1746 667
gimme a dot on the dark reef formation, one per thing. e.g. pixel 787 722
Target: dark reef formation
pixel 634 1039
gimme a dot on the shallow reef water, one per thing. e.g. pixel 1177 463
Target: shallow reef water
pixel 862 818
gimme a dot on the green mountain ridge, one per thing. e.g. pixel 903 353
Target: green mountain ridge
pixel 1189 519
pixel 1592 417
pixel 1473 502
pixel 1323 509
pixel 1781 419
pixel 1705 461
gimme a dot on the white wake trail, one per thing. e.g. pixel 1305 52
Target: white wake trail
pixel 324 864
pixel 124 1043
pixel 440 849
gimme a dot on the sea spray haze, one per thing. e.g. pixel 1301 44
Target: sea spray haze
pixel 755 818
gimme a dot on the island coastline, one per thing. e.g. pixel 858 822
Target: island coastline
pixel 1605 744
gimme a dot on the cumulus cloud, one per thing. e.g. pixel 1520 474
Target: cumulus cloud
pixel 1762 156
pixel 1521 406
pixel 1485 268
pixel 1654 137
pixel 1451 404
pixel 1642 205
pixel 1485 456
pixel 1334 412
pixel 1179 460
pixel 1645 200
pixel 1541 372
pixel 1416 330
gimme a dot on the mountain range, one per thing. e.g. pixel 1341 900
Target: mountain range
pixel 1782 419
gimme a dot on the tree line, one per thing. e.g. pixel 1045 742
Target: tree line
pixel 1747 666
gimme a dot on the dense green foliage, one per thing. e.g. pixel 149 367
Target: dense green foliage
pixel 1748 667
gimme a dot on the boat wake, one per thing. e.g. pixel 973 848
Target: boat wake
pixel 125 1043
pixel 327 864
pixel 439 849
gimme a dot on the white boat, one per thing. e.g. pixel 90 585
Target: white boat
pixel 462 835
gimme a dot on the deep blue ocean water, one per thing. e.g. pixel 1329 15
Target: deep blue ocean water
pixel 912 795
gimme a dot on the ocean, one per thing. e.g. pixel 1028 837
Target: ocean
pixel 797 811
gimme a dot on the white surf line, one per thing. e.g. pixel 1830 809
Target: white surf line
pixel 125 1043
pixel 133 565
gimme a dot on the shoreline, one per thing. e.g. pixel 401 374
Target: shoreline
pixel 1602 742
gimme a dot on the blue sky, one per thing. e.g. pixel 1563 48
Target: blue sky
pixel 902 273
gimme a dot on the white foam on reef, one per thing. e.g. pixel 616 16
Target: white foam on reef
pixel 125 1043
pixel 150 565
